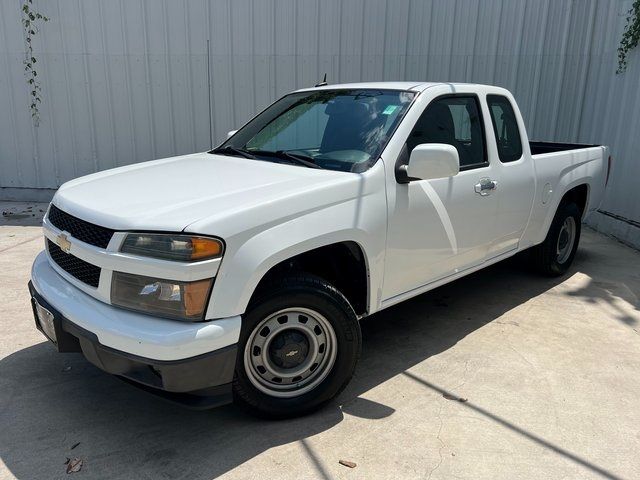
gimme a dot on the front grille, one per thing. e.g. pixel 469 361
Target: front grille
pixel 84 231
pixel 83 271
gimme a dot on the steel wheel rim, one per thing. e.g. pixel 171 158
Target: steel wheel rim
pixel 290 352
pixel 566 239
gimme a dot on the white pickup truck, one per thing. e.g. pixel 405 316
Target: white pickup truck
pixel 242 273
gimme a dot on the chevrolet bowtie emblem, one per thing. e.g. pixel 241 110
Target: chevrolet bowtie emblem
pixel 63 242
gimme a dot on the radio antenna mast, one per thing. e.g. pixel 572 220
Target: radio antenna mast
pixel 323 82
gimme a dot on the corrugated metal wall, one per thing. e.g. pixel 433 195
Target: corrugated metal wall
pixel 126 81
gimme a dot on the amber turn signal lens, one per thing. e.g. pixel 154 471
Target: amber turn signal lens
pixel 195 297
pixel 169 246
pixel 204 248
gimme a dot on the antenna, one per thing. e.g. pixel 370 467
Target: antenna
pixel 323 82
pixel 209 93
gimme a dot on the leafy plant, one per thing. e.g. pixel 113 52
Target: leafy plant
pixel 630 36
pixel 31 19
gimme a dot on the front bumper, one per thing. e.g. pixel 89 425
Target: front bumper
pixel 192 363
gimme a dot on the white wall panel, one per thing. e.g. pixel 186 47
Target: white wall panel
pixel 126 80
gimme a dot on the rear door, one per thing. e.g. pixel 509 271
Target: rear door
pixel 438 228
pixel 515 170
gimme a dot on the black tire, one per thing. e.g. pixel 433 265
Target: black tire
pixel 544 257
pixel 317 295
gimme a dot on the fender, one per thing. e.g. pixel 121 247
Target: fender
pixel 252 254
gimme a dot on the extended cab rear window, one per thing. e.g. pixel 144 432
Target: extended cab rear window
pixel 505 127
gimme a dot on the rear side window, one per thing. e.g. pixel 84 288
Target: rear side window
pixel 505 127
pixel 454 120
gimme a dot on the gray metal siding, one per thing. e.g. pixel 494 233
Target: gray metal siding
pixel 126 81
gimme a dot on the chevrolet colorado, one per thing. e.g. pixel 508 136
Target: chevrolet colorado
pixel 242 273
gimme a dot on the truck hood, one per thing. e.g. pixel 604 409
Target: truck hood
pixel 172 193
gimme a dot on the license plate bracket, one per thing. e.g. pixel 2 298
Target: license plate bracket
pixel 46 321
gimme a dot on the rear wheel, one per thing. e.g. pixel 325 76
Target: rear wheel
pixel 299 346
pixel 554 256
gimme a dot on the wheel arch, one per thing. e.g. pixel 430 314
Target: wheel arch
pixel 578 192
pixel 579 195
pixel 250 267
pixel 343 264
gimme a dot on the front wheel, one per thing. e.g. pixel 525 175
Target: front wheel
pixel 299 346
pixel 554 256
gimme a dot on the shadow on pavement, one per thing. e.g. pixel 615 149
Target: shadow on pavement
pixel 45 407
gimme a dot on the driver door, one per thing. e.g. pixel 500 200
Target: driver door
pixel 440 227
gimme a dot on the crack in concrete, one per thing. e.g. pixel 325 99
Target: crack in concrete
pixel 442 444
pixel 540 441
pixel 522 356
pixel 20 243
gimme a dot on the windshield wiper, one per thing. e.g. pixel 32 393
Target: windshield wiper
pixel 293 157
pixel 297 158
pixel 303 160
pixel 233 150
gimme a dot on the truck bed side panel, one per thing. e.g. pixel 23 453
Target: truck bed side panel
pixel 557 173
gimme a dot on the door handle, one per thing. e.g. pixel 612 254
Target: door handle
pixel 485 186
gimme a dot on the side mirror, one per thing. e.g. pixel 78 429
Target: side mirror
pixel 231 133
pixel 433 160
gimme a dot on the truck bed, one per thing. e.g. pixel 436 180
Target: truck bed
pixel 550 147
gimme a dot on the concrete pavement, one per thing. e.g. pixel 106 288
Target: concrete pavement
pixel 549 370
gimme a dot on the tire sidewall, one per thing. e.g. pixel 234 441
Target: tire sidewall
pixel 565 211
pixel 314 295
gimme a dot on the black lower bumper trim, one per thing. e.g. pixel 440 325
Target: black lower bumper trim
pixel 201 382
pixel 203 400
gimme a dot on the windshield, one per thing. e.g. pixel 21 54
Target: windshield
pixel 342 130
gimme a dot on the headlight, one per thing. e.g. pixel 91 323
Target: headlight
pixel 180 248
pixel 165 298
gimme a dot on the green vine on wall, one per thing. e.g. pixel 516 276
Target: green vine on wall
pixel 31 19
pixel 630 37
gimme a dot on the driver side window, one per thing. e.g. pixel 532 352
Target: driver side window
pixel 454 120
